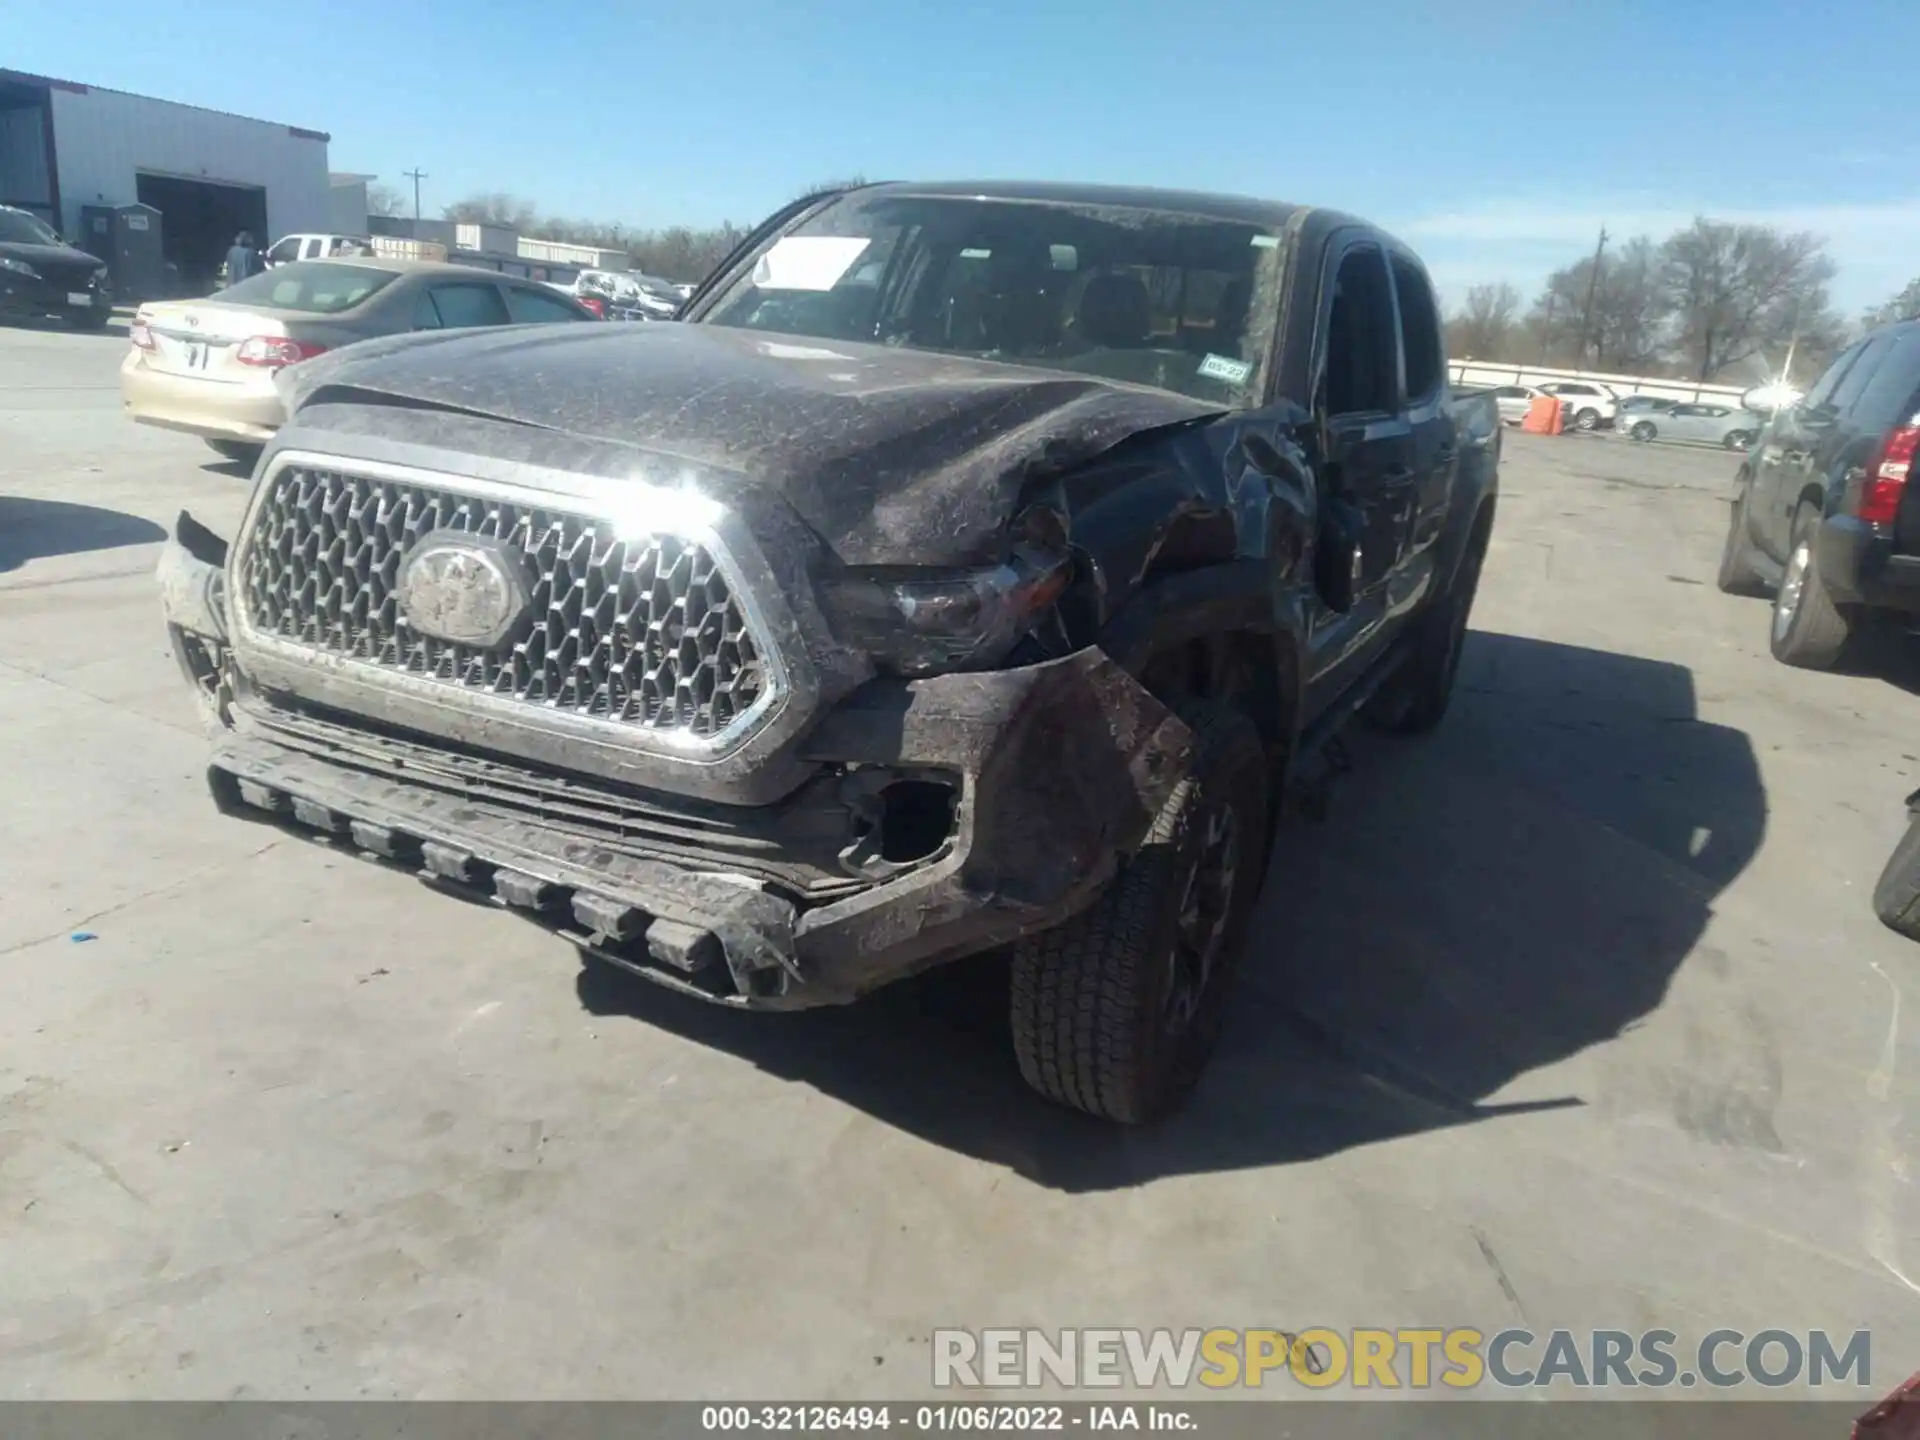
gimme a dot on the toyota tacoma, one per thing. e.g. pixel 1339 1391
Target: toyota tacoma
pixel 974 566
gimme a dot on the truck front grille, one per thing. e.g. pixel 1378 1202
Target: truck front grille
pixel 638 630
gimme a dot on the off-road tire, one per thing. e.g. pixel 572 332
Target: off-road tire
pixel 1089 997
pixel 1415 698
pixel 1816 632
pixel 1739 561
pixel 1896 897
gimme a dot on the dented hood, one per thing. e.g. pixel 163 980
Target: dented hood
pixel 892 456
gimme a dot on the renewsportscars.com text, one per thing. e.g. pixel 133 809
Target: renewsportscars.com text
pixel 1461 1358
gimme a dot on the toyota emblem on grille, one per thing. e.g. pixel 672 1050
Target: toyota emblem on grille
pixel 467 589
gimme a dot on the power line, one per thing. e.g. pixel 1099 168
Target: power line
pixel 416 176
pixel 1593 285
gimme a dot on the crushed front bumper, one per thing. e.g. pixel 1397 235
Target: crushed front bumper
pixel 1057 771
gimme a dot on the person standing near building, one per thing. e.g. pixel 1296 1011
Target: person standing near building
pixel 242 259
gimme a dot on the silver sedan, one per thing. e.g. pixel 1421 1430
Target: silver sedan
pixel 207 366
pixel 1724 425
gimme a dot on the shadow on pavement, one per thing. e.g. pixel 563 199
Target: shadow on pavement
pixel 36 529
pixel 115 328
pixel 1480 903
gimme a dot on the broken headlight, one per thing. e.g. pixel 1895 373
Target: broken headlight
pixel 916 622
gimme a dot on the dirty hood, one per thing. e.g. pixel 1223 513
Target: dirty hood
pixel 892 456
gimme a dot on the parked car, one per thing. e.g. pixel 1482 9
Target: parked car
pixel 1589 405
pixel 1721 425
pixel 41 275
pixel 1515 401
pixel 808 661
pixel 208 367
pixel 1896 896
pixel 610 294
pixel 1822 513
pixel 1629 406
pixel 658 298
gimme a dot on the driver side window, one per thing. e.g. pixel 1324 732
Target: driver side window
pixel 1362 361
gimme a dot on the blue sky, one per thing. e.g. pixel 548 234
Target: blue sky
pixel 1495 137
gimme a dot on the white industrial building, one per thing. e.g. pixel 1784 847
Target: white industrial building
pixel 65 146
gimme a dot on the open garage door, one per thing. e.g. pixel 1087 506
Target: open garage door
pixel 26 148
pixel 198 220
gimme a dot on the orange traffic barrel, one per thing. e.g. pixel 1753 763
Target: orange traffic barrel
pixel 1543 416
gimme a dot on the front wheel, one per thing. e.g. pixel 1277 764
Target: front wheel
pixel 1809 630
pixel 1116 1011
pixel 1738 440
pixel 1739 561
pixel 1643 432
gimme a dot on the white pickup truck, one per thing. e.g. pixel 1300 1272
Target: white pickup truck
pixel 289 248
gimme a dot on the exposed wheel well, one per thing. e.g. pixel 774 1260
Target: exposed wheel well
pixel 1255 672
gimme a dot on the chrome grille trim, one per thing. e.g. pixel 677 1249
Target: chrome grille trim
pixel 597 660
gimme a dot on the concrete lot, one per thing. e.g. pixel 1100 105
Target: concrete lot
pixel 1574 1014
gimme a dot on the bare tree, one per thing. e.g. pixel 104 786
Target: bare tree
pixel 1741 292
pixel 1551 334
pixel 497 208
pixel 1486 326
pixel 1628 325
pixel 386 200
pixel 1904 306
pixel 1630 309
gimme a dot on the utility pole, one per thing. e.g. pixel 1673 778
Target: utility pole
pixel 415 175
pixel 1593 286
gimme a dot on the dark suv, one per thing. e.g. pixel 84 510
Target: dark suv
pixel 1823 515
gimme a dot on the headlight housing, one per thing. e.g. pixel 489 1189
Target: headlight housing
pixel 18 267
pixel 916 622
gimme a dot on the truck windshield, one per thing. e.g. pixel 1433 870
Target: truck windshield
pixel 1170 299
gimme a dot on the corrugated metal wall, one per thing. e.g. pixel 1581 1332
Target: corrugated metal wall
pixel 103 139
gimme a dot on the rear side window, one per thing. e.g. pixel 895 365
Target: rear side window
pixel 1890 397
pixel 310 285
pixel 1361 373
pixel 1861 375
pixel 1419 329
pixel 1824 387
pixel 530 307
pixel 460 306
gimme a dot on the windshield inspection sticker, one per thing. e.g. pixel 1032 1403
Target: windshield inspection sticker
pixel 808 262
pixel 1225 367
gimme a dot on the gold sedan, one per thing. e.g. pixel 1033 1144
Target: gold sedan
pixel 207 366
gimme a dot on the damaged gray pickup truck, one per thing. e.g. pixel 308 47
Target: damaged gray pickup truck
pixel 974 566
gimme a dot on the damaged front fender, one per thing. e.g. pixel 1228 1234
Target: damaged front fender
pixel 193 597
